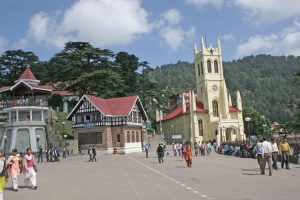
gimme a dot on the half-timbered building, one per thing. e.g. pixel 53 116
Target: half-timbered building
pixel 109 124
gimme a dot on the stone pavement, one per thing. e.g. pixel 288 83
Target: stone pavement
pixel 133 177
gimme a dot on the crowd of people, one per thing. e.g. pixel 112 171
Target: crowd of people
pixel 15 165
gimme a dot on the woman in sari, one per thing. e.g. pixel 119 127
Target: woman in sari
pixel 14 167
pixel 188 154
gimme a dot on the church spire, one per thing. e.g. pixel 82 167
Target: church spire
pixel 218 46
pixel 202 44
pixel 195 49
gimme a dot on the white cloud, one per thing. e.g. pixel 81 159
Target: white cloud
pixel 3 43
pixel 287 42
pixel 258 12
pixel 172 16
pixel 175 36
pixel 171 32
pixel 101 22
pixel 201 3
pixel 268 11
pixel 227 37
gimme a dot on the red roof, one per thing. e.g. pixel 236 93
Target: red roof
pixel 179 111
pixel 63 92
pixel 115 106
pixel 233 109
pixel 27 75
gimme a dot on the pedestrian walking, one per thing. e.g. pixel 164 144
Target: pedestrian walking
pixel 267 156
pixel 274 154
pixel 146 147
pixel 208 148
pixel 202 149
pixel 196 148
pixel 160 153
pixel 94 153
pixel 30 170
pixel 258 151
pixel 65 152
pixel 285 151
pixel 48 154
pixel 56 155
pixel 183 151
pixel 14 166
pixel 2 174
pixel 174 147
pixel 188 155
pixel 40 154
pixel 178 147
pixel 90 153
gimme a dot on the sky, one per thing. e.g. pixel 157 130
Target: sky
pixel 157 31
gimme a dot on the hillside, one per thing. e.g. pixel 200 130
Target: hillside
pixel 264 81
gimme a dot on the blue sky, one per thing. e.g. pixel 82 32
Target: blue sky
pixel 158 31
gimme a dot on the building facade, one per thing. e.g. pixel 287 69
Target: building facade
pixel 26 105
pixel 210 114
pixel 109 124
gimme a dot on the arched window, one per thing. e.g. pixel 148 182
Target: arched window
pixel 118 137
pixel 215 108
pixel 201 67
pixel 199 70
pixel 208 66
pixel 200 125
pixel 216 66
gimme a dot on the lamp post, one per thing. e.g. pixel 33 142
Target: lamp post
pixel 248 119
pixel 4 143
pixel 65 147
pixel 37 141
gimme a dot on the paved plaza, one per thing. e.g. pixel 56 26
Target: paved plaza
pixel 136 177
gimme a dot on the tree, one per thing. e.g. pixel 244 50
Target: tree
pixel 127 66
pixel 55 101
pixel 13 63
pixel 86 69
pixel 258 124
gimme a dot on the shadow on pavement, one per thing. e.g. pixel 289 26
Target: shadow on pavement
pixel 12 189
pixel 250 174
pixel 251 170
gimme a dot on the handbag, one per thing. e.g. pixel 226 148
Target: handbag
pixel 35 169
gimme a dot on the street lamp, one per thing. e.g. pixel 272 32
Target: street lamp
pixel 37 141
pixel 248 119
pixel 65 148
pixel 4 142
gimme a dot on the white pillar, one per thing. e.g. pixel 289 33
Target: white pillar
pixel 17 115
pixel 30 114
pixel 42 114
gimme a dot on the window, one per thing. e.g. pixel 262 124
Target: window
pixel 215 108
pixel 87 118
pixel 216 66
pixel 90 138
pixel 22 140
pixel 200 124
pixel 137 136
pixel 132 136
pixel 7 142
pixel 128 136
pixel 118 137
pixel 208 66
pixel 199 70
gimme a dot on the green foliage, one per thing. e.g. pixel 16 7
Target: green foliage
pixel 258 124
pixel 63 128
pixel 13 63
pixel 55 101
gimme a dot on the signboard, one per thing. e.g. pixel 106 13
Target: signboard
pixel 176 137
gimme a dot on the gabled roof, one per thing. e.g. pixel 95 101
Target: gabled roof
pixel 179 111
pixel 63 92
pixel 121 106
pixel 27 75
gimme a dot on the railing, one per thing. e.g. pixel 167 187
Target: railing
pixel 23 102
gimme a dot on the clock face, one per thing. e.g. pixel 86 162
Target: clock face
pixel 214 88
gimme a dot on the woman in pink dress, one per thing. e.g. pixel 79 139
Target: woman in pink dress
pixel 29 169
pixel 14 167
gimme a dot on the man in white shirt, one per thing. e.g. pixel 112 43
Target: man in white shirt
pixel 274 154
pixel 267 156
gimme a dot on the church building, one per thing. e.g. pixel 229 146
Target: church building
pixel 209 114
